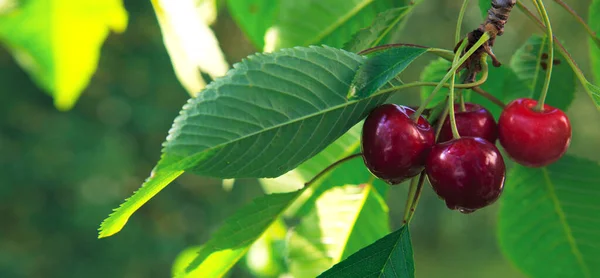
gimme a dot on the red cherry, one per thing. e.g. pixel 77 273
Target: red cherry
pixel 468 173
pixel 534 138
pixel 394 146
pixel 475 121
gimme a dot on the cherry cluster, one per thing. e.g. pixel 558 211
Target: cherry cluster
pixel 468 172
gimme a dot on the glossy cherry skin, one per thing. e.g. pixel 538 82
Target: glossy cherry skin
pixel 468 173
pixel 534 138
pixel 475 121
pixel 394 146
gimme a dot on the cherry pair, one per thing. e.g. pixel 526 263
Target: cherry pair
pixel 469 172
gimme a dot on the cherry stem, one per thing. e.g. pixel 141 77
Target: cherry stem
pixel 461 15
pixel 442 119
pixel 489 96
pixel 453 127
pixel 561 48
pixel 461 96
pixel 331 167
pixel 414 194
pixel 455 65
pixel 580 20
pixel 542 11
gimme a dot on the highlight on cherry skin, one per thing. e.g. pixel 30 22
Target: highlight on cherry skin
pixel 394 146
pixel 474 121
pixel 534 138
pixel 467 173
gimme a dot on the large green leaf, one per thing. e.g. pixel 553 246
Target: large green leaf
pixel 254 17
pixel 381 27
pixel 191 44
pixel 230 242
pixel 58 42
pixel 391 256
pixel 344 220
pixel 382 67
pixel 330 22
pixel 594 23
pixel 529 65
pixel 548 223
pixel 265 117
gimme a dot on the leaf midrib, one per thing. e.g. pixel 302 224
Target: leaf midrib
pixel 563 223
pixel 338 23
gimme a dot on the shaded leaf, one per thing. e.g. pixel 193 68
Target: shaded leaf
pixel 265 117
pixel 374 34
pixel 380 68
pixel 191 44
pixel 548 222
pixel 529 64
pixel 434 72
pixel 230 242
pixel 344 220
pixel 254 17
pixel 391 256
pixel 594 23
pixel 330 22
pixel 58 42
pixel 484 6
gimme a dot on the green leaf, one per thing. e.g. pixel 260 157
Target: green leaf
pixel 382 67
pixel 344 220
pixel 548 221
pixel 381 26
pixel 58 42
pixel 594 23
pixel 265 117
pixel 434 72
pixel 183 259
pixel 191 44
pixel 528 64
pixel 254 17
pixel 266 256
pixel 484 6
pixel 391 256
pixel 230 242
pixel 311 22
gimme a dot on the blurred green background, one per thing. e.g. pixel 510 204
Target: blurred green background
pixel 61 173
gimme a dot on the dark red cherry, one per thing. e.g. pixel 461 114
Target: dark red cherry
pixel 468 173
pixel 534 138
pixel 475 121
pixel 394 146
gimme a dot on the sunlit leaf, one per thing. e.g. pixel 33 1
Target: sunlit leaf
pixel 254 17
pixel 391 256
pixel 229 244
pixel 530 62
pixel 266 257
pixel 344 220
pixel 190 42
pixel 550 215
pixel 184 258
pixel 58 42
pixel 381 26
pixel 332 22
pixel 382 67
pixel 265 117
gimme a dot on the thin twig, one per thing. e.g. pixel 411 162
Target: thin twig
pixel 330 167
pixel 489 96
pixel 580 20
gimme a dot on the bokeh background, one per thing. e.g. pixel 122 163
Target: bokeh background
pixel 61 173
